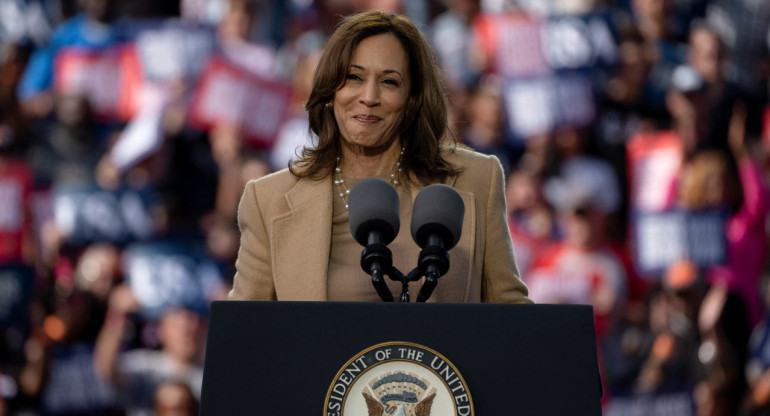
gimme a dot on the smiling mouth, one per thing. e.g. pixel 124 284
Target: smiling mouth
pixel 367 119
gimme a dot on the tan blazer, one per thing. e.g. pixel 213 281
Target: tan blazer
pixel 286 226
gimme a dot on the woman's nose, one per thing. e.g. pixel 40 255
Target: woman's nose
pixel 370 94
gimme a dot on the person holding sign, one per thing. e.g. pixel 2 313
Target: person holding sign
pixel 379 110
pixel 710 181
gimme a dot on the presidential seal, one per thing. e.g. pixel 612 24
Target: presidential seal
pixel 398 379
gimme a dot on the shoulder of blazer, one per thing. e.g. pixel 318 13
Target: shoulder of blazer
pixel 270 190
pixel 475 166
pixel 279 182
pixel 281 191
pixel 463 155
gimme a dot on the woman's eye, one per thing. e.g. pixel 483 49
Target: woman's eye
pixel 353 77
pixel 392 82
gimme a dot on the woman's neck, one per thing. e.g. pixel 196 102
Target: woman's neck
pixel 365 162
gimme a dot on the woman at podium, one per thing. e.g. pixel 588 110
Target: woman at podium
pixel 378 110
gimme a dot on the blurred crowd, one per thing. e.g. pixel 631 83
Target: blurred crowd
pixel 635 135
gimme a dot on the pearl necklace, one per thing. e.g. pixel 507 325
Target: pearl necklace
pixel 342 188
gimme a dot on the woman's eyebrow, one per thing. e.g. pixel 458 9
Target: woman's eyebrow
pixel 387 71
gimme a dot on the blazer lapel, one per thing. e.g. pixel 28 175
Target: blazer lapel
pixel 302 241
pixel 459 278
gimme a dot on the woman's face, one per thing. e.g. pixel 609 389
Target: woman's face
pixel 370 104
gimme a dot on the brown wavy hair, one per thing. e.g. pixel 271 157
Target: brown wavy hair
pixel 424 123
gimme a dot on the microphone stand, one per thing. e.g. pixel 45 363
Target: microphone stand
pixel 377 259
pixel 396 275
pixel 433 263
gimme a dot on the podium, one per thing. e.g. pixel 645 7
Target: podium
pixel 305 358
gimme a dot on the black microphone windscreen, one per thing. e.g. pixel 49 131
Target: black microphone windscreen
pixel 373 206
pixel 438 210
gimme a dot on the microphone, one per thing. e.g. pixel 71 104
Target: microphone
pixel 437 221
pixel 374 223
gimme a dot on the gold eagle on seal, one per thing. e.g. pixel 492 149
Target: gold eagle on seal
pixel 396 408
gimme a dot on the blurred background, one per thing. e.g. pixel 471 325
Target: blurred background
pixel 635 136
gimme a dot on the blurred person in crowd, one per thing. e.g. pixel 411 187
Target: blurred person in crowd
pixel 227 150
pixel 709 180
pixel 451 35
pixel 531 219
pixel 159 151
pixel 379 110
pixel 235 36
pixel 188 180
pixel 657 21
pixel 699 336
pixel 59 373
pixel 671 340
pixel 586 194
pixel 13 59
pixel 94 28
pixel 723 353
pixel 221 228
pixel 70 152
pixel 236 40
pixel 627 106
pixel 98 270
pixel 67 154
pixel 744 27
pixel 582 268
pixel 758 364
pixel 707 56
pixel 656 157
pixel 295 133
pixel 174 398
pixel 663 39
pixel 16 183
pixel 136 373
pixel 484 131
pixel 576 171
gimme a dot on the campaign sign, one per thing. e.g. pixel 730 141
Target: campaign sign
pixel 663 238
pixel 86 213
pixel 677 403
pixel 95 74
pixel 172 273
pixel 136 92
pixel 175 50
pixel 519 45
pixel 654 160
pixel 16 284
pixel 540 104
pixel 229 95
